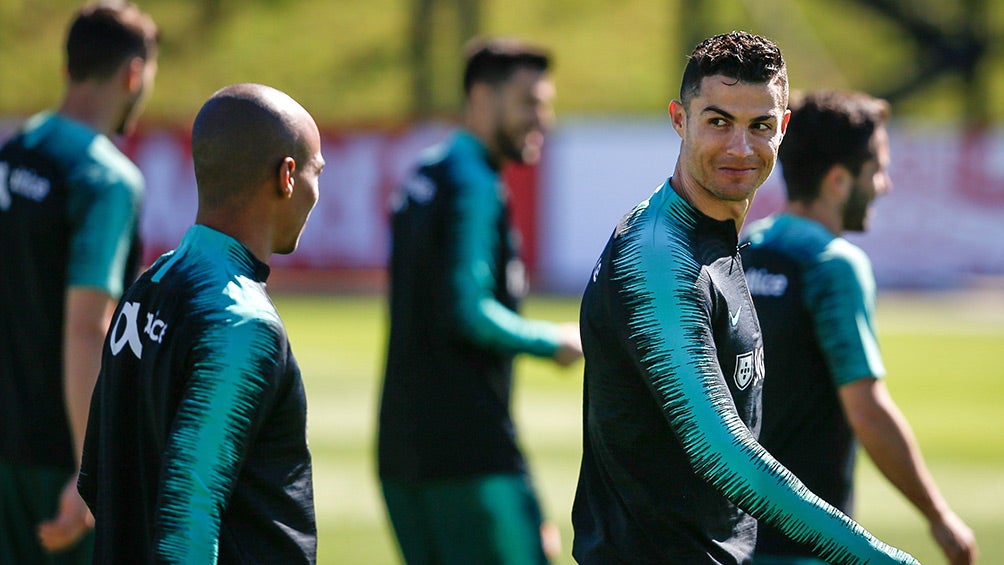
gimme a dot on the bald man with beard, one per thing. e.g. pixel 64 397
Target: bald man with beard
pixel 196 447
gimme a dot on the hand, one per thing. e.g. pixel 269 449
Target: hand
pixel 956 539
pixel 569 345
pixel 550 539
pixel 71 523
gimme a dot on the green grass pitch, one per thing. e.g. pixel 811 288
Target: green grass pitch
pixel 945 358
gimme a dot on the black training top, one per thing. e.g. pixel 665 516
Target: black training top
pixel 671 470
pixel 196 444
pixel 455 284
pixel 69 206
pixel 815 294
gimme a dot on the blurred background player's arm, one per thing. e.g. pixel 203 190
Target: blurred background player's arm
pixel 104 207
pixel 886 435
pixel 87 317
pixel 481 318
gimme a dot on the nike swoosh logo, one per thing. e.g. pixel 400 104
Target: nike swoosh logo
pixel 734 318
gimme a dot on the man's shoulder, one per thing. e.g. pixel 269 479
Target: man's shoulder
pixel 652 212
pixel 801 239
pixel 757 230
pixel 88 157
pixel 104 153
pixel 842 249
pixel 652 250
pixel 464 162
pixel 213 285
pixel 844 260
pixel 102 169
pixel 655 228
pixel 236 312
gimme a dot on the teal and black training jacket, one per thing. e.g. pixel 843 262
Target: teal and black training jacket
pixel 69 208
pixel 455 284
pixel 196 446
pixel 815 294
pixel 671 470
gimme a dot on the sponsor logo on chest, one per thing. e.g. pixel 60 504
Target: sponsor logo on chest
pixel 126 330
pixel 22 182
pixel 762 282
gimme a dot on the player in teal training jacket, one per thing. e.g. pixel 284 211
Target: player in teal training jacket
pixel 70 206
pixel 196 447
pixel 815 294
pixel 671 470
pixel 454 479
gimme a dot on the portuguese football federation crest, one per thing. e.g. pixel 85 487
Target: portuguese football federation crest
pixel 749 366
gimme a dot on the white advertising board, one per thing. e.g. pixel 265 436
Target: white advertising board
pixel 942 226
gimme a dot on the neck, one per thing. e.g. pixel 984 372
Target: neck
pixel 94 105
pixel 826 216
pixel 708 204
pixel 243 225
pixel 484 132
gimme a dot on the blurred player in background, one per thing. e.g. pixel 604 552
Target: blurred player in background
pixel 196 447
pixel 455 482
pixel 815 293
pixel 672 471
pixel 69 205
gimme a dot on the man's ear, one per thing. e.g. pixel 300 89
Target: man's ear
pixel 132 74
pixel 286 177
pixel 837 183
pixel 678 115
pixel 480 95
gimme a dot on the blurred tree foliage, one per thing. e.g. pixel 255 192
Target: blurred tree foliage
pixel 385 62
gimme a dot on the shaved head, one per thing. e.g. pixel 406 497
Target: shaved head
pixel 241 136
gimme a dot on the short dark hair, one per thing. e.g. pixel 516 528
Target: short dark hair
pixel 494 60
pixel 106 34
pixel 740 55
pixel 828 128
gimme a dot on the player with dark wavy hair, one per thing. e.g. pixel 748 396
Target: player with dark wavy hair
pixel 671 470
pixel 815 294
pixel 69 223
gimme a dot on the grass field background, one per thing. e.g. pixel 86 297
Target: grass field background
pixel 944 354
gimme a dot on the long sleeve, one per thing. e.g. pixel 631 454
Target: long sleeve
pixel 477 212
pixel 671 329
pixel 235 366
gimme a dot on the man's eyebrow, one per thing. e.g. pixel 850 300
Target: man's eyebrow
pixel 716 110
